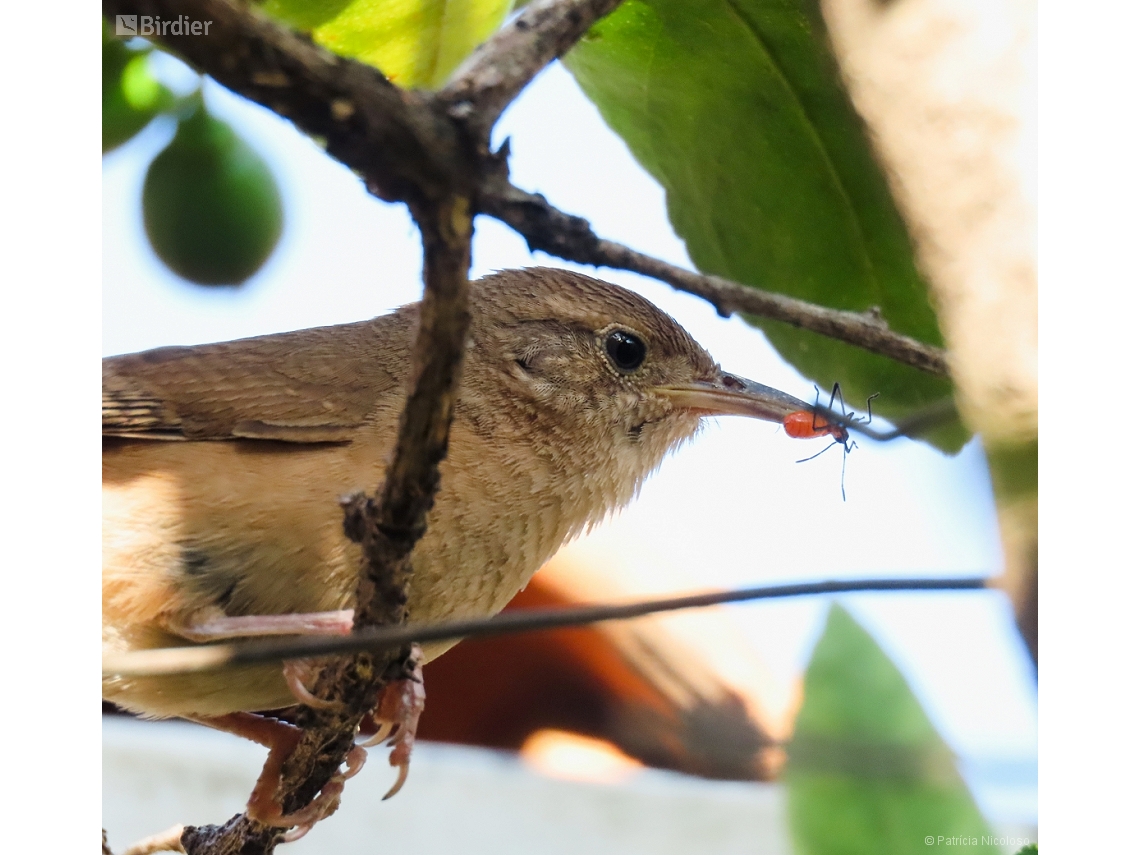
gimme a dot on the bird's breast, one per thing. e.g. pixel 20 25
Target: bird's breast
pixel 256 528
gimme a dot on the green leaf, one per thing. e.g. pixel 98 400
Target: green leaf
pixel 211 206
pixel 736 108
pixel 131 96
pixel 867 772
pixel 416 43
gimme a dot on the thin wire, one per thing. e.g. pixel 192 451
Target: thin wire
pixel 186 660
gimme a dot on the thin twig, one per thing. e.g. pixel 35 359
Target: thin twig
pixel 186 660
pixel 914 425
pixel 407 146
pixel 389 525
pixel 499 69
pixel 563 235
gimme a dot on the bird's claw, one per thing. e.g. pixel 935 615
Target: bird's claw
pixel 397 717
pixel 300 822
pixel 298 672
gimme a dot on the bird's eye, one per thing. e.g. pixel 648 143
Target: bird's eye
pixel 625 349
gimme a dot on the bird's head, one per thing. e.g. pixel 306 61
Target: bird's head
pixel 594 374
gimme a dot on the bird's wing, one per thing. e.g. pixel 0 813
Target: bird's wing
pixel 315 385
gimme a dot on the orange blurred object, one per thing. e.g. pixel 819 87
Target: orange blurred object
pixel 620 683
pixel 577 758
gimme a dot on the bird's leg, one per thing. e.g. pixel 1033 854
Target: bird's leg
pixel 213 625
pixel 397 716
pixel 281 739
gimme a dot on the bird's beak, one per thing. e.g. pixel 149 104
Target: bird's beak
pixel 729 395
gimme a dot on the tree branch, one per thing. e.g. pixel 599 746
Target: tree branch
pixel 408 147
pixel 563 235
pixel 388 526
pixel 499 69
pixel 402 143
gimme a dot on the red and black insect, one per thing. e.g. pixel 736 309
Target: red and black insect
pixel 809 424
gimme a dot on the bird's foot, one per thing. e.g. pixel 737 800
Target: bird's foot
pixel 397 716
pixel 281 739
pixel 325 804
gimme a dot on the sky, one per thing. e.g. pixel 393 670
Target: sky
pixel 732 508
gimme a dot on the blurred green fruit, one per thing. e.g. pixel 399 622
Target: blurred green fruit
pixel 210 204
pixel 131 96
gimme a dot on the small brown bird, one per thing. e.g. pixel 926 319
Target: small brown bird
pixel 223 464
